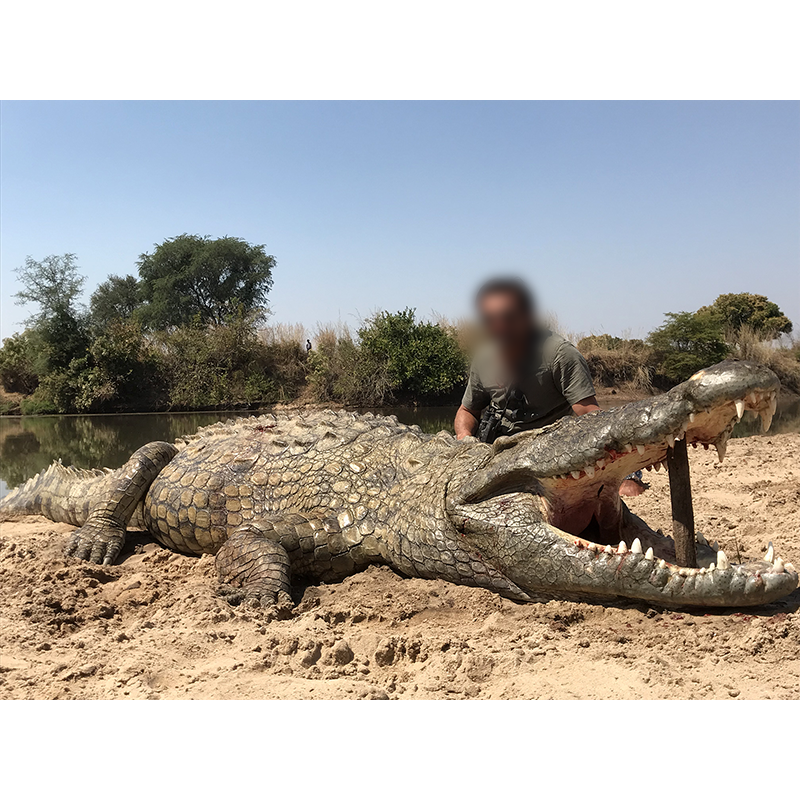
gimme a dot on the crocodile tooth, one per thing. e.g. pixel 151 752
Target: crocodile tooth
pixel 636 547
pixel 622 549
pixel 601 462
pixel 766 420
pixel 657 466
pixel 789 567
pixel 662 564
pixel 712 566
pixel 608 549
pixel 770 554
pixel 649 554
pixel 589 469
pixel 640 449
pixel 627 448
pixel 722 560
pixel 715 545
pixel 753 398
pixel 740 408
pixel 686 571
pixel 700 538
pixel 778 565
pixel 722 448
pixel 575 474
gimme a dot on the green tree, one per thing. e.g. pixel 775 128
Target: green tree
pixel 52 283
pixel 116 298
pixel 59 339
pixel 17 367
pixel 422 359
pixel 687 342
pixel 196 278
pixel 752 310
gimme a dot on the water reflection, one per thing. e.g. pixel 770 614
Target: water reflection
pixel 29 444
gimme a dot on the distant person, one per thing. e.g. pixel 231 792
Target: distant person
pixel 308 345
pixel 525 376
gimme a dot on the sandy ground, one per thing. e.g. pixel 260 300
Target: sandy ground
pixel 152 627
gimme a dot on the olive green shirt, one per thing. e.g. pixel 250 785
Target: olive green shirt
pixel 554 378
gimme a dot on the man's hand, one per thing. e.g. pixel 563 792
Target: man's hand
pixel 585 406
pixel 466 423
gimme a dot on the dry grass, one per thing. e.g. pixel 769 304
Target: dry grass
pixel 618 362
pixel 283 333
pixel 782 357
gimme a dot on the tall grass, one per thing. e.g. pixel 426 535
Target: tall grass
pixel 619 362
pixel 781 356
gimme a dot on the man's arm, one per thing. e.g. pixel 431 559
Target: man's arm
pixel 466 423
pixel 585 406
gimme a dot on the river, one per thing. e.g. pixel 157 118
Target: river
pixel 29 444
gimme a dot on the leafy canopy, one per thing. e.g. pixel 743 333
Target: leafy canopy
pixel 422 359
pixel 687 342
pixel 752 310
pixel 116 298
pixel 196 279
pixel 52 283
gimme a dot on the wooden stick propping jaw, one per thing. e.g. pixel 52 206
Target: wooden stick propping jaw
pixel 680 489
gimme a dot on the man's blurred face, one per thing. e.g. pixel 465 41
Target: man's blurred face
pixel 505 320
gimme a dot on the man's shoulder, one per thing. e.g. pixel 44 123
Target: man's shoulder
pixel 485 354
pixel 554 345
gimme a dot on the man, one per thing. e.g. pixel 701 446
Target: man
pixel 527 375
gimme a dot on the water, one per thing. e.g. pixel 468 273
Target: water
pixel 29 444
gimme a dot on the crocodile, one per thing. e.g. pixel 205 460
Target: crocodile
pixel 324 494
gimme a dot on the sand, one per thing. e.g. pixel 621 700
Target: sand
pixel 152 626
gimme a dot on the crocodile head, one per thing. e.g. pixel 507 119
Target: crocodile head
pixel 544 506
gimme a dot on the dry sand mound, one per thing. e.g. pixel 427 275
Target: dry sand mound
pixel 153 627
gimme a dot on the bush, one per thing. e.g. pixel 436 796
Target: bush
pixel 123 371
pixel 341 371
pixel 227 365
pixel 17 370
pixel 37 405
pixel 687 342
pixel 422 360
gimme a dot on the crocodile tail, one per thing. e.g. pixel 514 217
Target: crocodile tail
pixel 62 494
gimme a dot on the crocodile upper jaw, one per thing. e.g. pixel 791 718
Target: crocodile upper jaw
pixel 568 476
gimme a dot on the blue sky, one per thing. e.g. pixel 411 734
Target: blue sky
pixel 616 212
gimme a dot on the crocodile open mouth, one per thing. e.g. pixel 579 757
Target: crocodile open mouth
pixel 568 476
pixel 585 503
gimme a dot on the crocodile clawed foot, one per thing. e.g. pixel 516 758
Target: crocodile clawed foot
pixel 278 604
pixel 99 541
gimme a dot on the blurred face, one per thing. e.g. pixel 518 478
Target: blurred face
pixel 505 320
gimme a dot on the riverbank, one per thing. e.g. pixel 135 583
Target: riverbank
pixel 152 627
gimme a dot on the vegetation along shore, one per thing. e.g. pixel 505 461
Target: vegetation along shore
pixel 191 333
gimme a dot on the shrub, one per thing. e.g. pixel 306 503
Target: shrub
pixel 340 370
pixel 17 370
pixel 422 360
pixel 687 342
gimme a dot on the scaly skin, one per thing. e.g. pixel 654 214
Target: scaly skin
pixel 325 494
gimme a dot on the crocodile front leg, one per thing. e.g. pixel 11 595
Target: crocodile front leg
pixel 102 536
pixel 254 568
